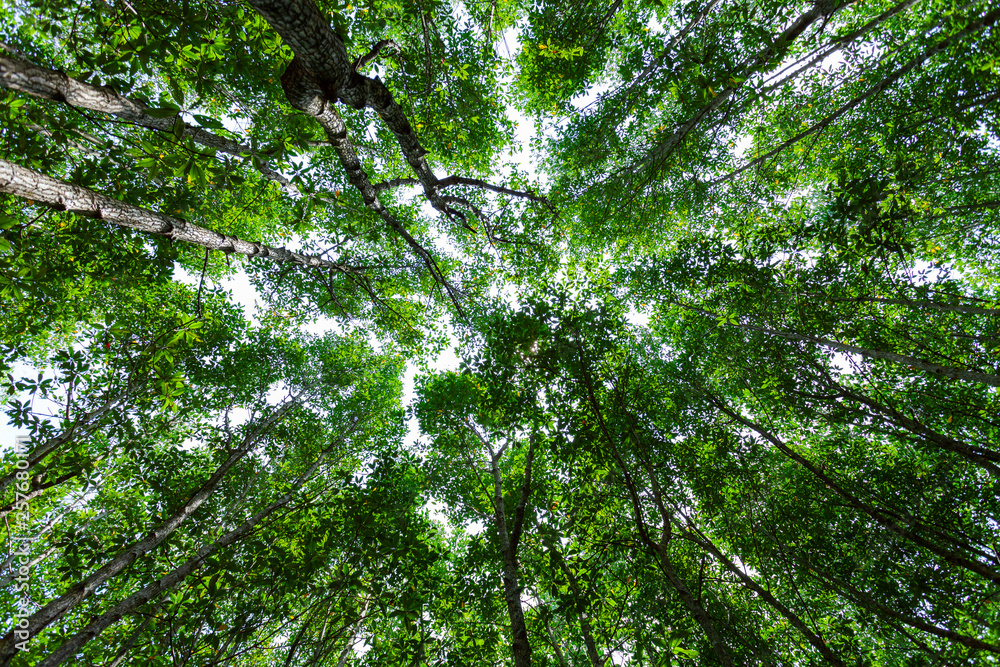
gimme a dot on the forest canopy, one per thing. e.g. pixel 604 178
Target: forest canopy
pixel 716 275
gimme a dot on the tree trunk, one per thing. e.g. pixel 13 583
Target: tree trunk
pixel 793 619
pixel 876 607
pixel 937 369
pixel 909 303
pixel 974 26
pixel 579 606
pixel 322 52
pixel 659 551
pixel 304 93
pixel 911 532
pixel 695 607
pixel 82 425
pixel 987 459
pixel 38 487
pixel 134 637
pixel 73 645
pixel 779 46
pixel 47 84
pixel 39 188
pixel 508 549
pixel 55 609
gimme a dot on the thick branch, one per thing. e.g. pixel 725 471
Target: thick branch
pixel 361 62
pixel 47 84
pixel 80 426
pixel 913 362
pixel 321 52
pixel 303 92
pixel 41 189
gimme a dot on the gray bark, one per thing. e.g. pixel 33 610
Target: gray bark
pixel 930 367
pixel 304 93
pixel 778 47
pixel 508 548
pixel 39 188
pixel 56 86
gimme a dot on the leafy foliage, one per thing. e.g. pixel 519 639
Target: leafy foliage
pixel 728 350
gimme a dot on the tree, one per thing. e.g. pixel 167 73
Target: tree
pixel 728 349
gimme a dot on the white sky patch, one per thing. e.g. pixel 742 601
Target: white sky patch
pixel 238 284
pixel 7 431
pixel 590 96
pixel 508 47
pixel 636 318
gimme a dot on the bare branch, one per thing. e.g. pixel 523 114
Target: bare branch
pixel 360 63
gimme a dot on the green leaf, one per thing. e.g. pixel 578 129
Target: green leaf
pixel 164 112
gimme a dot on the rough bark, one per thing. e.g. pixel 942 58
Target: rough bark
pixel 55 609
pixel 322 53
pixel 321 56
pixel 303 92
pixel 56 86
pixel 508 549
pixel 41 189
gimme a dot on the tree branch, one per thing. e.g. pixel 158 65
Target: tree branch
pixel 55 86
pixel 41 189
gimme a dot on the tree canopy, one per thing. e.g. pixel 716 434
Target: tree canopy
pixel 716 275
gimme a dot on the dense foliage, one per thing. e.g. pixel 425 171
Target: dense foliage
pixel 728 339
